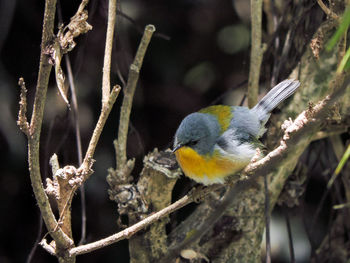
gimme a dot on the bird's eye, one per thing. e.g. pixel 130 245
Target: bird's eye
pixel 193 142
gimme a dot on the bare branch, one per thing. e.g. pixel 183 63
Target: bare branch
pixel 78 142
pixel 128 232
pixel 328 12
pixel 129 91
pixel 256 52
pixel 62 240
pixel 47 247
pixel 106 85
pixel 106 109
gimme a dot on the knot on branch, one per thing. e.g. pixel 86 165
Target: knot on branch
pixel 62 183
pixel 128 198
pixel 123 191
pixel 62 187
pixel 290 126
pixel 163 162
pixel 65 180
pixel 157 179
pixel 64 41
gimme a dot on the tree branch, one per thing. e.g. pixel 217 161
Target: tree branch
pixel 256 52
pixel 62 240
pixel 85 168
pixel 106 85
pixel 129 91
pixel 119 178
pixel 328 12
pixel 51 52
pixel 130 231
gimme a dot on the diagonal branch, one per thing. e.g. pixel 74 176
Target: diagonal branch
pixel 128 232
pixel 328 12
pixel 129 91
pixel 85 168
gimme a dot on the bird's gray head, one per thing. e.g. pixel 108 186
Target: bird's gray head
pixel 198 131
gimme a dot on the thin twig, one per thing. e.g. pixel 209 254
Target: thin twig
pixel 48 247
pixel 256 52
pixel 106 109
pixel 290 237
pixel 36 243
pixel 62 240
pixel 106 83
pixel 66 205
pixel 82 5
pixel 328 12
pixel 129 91
pixel 128 232
pixel 75 115
pixel 139 28
pixel 78 142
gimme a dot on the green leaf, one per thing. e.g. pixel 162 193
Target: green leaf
pixel 339 167
pixel 343 27
pixel 344 63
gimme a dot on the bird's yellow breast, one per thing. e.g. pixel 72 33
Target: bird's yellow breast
pixel 207 169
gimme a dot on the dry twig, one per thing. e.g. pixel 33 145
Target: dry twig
pixel 256 53
pixel 129 91
pixel 328 12
pixel 85 168
pixel 61 239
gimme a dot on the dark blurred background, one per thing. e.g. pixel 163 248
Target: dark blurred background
pixel 199 55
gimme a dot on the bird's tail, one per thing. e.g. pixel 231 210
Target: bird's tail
pixel 273 98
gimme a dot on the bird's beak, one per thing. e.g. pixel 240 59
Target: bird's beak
pixel 177 147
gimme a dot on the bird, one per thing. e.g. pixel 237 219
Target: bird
pixel 220 140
